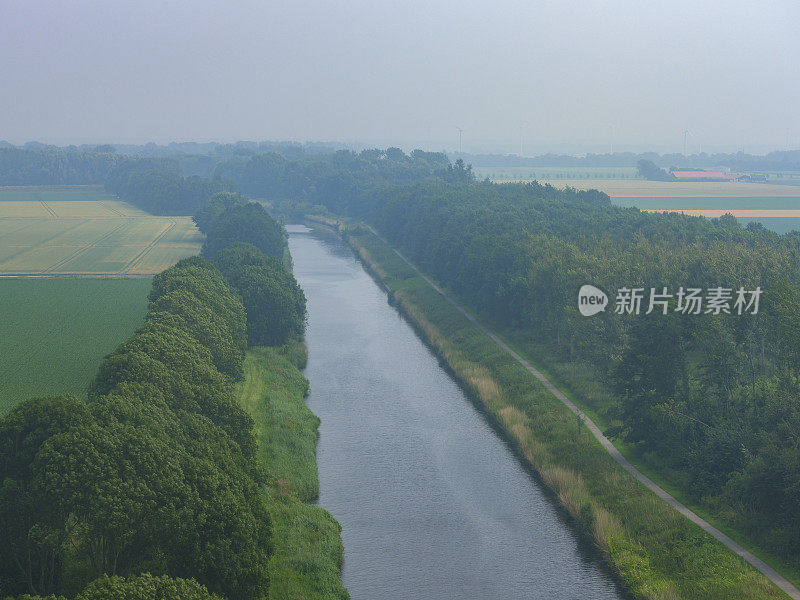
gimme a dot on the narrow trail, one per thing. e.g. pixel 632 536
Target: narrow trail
pixel 770 573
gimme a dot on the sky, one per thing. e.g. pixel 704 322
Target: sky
pixel 562 75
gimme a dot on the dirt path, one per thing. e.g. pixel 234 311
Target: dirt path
pixel 770 573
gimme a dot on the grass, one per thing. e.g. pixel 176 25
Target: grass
pixel 308 548
pixel 55 332
pixel 49 232
pixel 578 381
pixel 656 552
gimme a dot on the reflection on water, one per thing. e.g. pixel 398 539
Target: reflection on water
pixel 432 503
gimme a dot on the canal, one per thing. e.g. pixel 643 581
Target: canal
pixel 433 504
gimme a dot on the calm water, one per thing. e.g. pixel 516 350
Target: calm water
pixel 432 503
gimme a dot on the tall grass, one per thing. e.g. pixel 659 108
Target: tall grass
pixel 308 548
pixel 655 551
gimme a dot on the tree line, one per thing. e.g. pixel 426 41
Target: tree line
pixel 155 474
pixel 55 166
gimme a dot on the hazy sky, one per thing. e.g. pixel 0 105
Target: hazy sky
pixel 564 74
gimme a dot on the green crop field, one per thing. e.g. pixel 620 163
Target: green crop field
pixel 55 332
pixel 85 231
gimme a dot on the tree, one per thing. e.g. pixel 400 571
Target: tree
pixel 146 587
pixel 650 171
pixel 182 370
pixel 216 206
pixel 183 310
pixel 273 300
pixel 249 223
pixel 33 528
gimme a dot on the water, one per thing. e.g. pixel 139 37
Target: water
pixel 433 505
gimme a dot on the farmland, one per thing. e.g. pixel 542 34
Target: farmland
pixel 75 231
pixel 74 276
pixel 775 206
pixel 54 332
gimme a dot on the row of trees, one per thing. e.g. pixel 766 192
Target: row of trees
pixel 157 186
pixel 156 473
pixel 54 166
pixel 248 247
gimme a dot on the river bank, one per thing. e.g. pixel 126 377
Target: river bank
pixel 655 551
pixel 307 555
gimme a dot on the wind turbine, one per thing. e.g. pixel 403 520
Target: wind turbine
pixel 460 131
pixel 694 137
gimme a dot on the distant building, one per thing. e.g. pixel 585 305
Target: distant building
pixel 760 177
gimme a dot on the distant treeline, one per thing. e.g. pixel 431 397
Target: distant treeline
pixel 54 166
pixel 253 165
pixel 157 186
pixel 157 472
pixel 774 161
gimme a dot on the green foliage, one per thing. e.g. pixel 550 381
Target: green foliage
pixel 34 529
pixel 697 391
pixel 54 166
pixel 649 170
pixel 157 187
pixel 274 302
pixel 248 223
pixel 145 587
pixel 308 547
pixel 215 207
pixel 183 310
pixel 200 278
pixel 157 473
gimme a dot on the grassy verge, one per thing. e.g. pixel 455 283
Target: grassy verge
pixel 579 384
pixel 308 547
pixel 656 552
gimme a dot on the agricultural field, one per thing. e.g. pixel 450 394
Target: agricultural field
pixel 54 332
pixel 775 206
pixel 78 231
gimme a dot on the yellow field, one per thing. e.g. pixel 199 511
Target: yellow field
pixel 742 213
pixel 639 188
pixel 93 237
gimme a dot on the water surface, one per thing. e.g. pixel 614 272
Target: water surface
pixel 433 505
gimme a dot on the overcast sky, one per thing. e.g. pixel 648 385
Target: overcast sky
pixel 562 74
